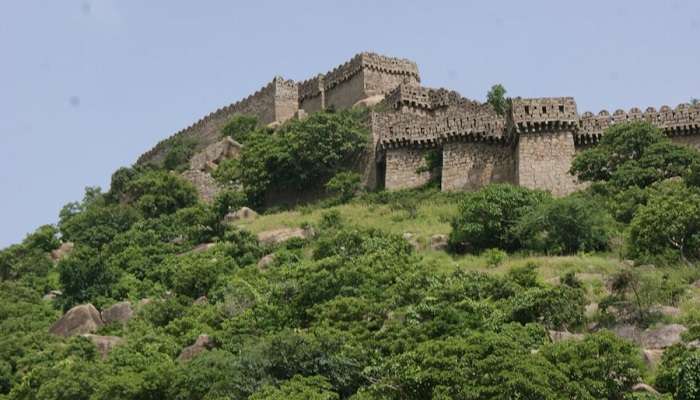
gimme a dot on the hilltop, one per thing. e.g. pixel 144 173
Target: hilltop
pixel 257 255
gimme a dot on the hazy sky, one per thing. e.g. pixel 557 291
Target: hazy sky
pixel 87 86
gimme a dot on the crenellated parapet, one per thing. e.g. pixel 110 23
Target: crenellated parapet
pixel 543 114
pixel 412 130
pixel 398 67
pixel 279 94
pixel 682 121
pixel 419 98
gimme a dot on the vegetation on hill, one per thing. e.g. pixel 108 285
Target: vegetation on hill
pixel 375 305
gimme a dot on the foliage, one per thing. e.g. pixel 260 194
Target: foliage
pixel 158 192
pixel 345 185
pixel 488 218
pixel 179 153
pixel 494 257
pixel 240 127
pixel 565 226
pixel 668 226
pixel 604 364
pixel 302 154
pixel 633 154
pixel 298 388
pixel 496 98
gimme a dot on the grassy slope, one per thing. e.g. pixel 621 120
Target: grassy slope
pixel 431 214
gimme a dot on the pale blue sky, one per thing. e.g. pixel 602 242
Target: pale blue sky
pixel 88 85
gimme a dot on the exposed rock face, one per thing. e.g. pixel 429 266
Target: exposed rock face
pixel 667 311
pixel 104 344
pixel 201 248
pixel 206 186
pixel 266 261
pixel 411 239
pixel 209 158
pixel 369 101
pixel 277 236
pixel 560 336
pixel 629 332
pixel 61 252
pixel 201 301
pixel 644 388
pixel 242 214
pixel 652 357
pixel 120 312
pixel 78 320
pixel 52 295
pixel 204 342
pixel 438 242
pixel 663 336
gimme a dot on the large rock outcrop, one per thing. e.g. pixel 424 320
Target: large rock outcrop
pixel 104 344
pixel 79 320
pixel 62 251
pixel 209 158
pixel 277 236
pixel 117 313
pixel 242 214
pixel 203 343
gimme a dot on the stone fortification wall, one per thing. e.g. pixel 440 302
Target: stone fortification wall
pixel 403 166
pixel 682 121
pixel 278 99
pixel 365 75
pixel 470 166
pixel 542 161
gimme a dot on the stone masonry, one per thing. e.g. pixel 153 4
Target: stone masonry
pixel 532 145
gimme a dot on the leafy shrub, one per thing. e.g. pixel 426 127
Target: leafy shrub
pixel 667 228
pixel 240 127
pixel 160 192
pixel 494 257
pixel 302 154
pixel 85 277
pixel 487 218
pixel 344 185
pixel 179 153
pixel 604 364
pixel 194 274
pixel 565 226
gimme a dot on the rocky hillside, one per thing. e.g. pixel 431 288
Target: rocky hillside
pixel 150 290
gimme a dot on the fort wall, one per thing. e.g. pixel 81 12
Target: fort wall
pixel 263 104
pixel 402 166
pixel 470 166
pixel 543 162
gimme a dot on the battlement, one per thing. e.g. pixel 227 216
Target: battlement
pixel 683 120
pixel 276 100
pixel 547 113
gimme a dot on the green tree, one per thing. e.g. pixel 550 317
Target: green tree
pixel 159 192
pixel 179 153
pixel 298 388
pixel 345 185
pixel 668 226
pixel 302 154
pixel 565 226
pixel 487 218
pixel 240 127
pixel 605 365
pixel 496 98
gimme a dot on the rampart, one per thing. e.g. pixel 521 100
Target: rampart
pixel 275 101
pixel 532 145
pixel 364 76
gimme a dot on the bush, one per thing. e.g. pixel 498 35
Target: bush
pixel 487 218
pixel 565 226
pixel 494 257
pixel 302 154
pixel 344 185
pixel 667 228
pixel 634 154
pixel 179 154
pixel 240 127
pixel 160 192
